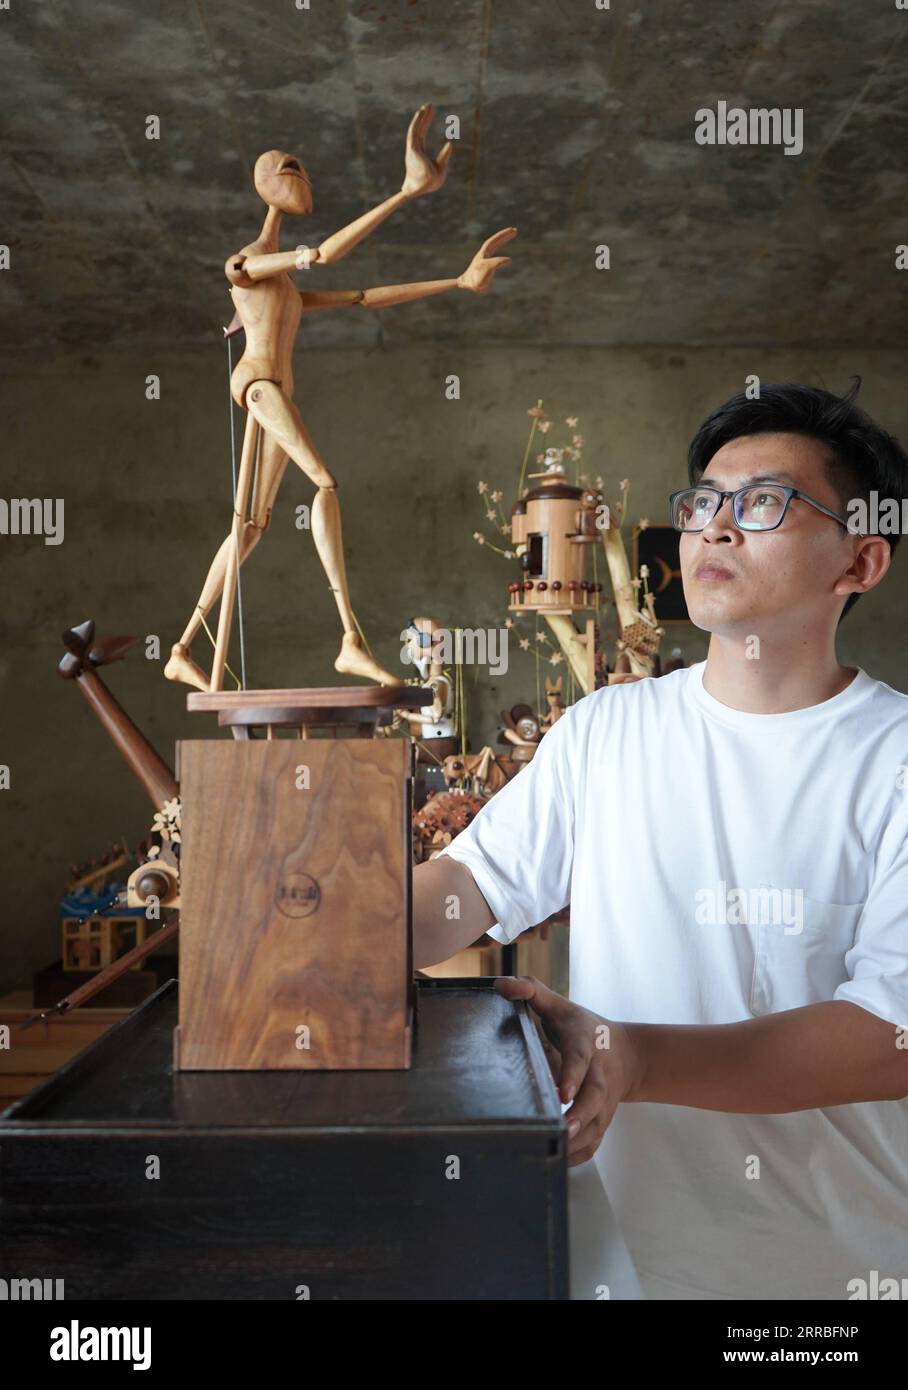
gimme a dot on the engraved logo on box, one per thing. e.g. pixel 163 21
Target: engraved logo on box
pixel 298 895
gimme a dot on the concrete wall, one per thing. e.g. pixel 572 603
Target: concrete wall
pixel 146 487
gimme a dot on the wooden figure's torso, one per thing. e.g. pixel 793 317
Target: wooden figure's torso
pixel 270 312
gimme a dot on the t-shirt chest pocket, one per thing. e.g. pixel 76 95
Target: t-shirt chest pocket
pixel 802 960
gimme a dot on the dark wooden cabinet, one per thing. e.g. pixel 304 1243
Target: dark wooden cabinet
pixel 443 1181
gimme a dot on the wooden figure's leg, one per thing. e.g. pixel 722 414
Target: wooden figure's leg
pixel 280 418
pixel 270 471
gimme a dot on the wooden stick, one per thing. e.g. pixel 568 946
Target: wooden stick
pixel 102 871
pixel 625 594
pixel 151 770
pixel 107 976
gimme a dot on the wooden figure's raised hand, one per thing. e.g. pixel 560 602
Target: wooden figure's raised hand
pixel 478 274
pixel 269 307
pixel 423 174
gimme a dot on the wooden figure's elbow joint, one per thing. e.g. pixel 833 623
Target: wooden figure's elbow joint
pixel 324 254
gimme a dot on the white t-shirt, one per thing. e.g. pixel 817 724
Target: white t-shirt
pixel 722 865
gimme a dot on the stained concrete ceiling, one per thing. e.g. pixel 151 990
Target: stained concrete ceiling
pixel 577 126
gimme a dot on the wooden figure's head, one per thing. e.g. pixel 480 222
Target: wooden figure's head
pixel 282 183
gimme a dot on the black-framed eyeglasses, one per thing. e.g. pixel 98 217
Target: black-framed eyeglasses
pixel 757 507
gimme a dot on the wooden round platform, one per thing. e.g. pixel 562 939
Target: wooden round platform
pixel 363 706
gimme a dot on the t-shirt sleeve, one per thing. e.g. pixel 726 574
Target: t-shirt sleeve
pixel 878 961
pixel 520 847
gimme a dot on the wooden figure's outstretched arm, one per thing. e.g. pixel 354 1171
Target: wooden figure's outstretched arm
pixel 304 257
pixel 422 175
pixel 477 277
pixel 255 268
pixel 379 297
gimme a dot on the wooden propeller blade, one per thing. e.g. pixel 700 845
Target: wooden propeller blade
pixel 110 649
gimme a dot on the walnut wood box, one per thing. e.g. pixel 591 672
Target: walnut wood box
pixel 295 934
pixel 282 1185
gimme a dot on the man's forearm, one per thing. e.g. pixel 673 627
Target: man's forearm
pixel 833 1053
pixel 449 912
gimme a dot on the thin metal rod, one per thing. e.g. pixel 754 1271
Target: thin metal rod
pixel 239 586
pixel 228 593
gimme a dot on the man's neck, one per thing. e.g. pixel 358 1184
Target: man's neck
pixel 758 680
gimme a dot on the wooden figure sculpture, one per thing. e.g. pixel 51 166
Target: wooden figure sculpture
pixel 431 724
pixel 553 700
pixel 269 307
pixel 486 771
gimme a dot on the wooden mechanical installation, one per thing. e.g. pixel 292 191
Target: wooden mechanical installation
pixel 552 527
pixel 294 865
pixel 269 307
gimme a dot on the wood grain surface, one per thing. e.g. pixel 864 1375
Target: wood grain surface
pixel 295 933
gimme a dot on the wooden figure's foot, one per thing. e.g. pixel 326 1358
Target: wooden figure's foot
pixel 181 667
pixel 353 661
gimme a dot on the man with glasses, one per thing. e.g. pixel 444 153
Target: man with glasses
pixel 758 506
pixel 733 841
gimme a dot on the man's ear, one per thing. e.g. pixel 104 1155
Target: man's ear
pixel 870 561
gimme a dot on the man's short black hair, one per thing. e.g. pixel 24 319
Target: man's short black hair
pixel 862 458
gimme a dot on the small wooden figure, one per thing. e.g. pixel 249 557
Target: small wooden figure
pixel 269 307
pixel 485 770
pixel 431 724
pixel 553 699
